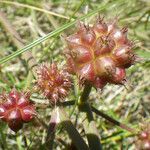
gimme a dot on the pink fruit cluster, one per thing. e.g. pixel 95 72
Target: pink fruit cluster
pixel 53 83
pixel 143 142
pixel 16 109
pixel 100 53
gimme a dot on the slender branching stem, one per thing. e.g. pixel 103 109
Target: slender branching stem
pixel 110 119
pixel 89 124
pixel 105 116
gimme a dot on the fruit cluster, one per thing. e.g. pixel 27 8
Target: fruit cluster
pixel 100 53
pixel 16 109
pixel 53 83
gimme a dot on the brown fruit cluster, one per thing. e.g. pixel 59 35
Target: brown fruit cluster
pixel 100 53
pixel 16 109
pixel 53 83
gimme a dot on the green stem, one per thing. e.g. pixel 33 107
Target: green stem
pixel 89 124
pixel 71 130
pixel 103 115
pixel 110 119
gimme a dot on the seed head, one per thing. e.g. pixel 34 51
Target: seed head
pixel 53 83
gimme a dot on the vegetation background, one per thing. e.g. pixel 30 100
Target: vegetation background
pixel 36 18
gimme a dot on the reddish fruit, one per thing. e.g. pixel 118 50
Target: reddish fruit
pixel 88 37
pixel 100 54
pixel 124 56
pixel 53 83
pixel 81 54
pixel 12 110
pixel 27 113
pixel 100 26
pixel 73 40
pixel 119 77
pixel 119 37
pixel 105 67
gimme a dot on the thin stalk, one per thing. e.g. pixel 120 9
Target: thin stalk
pixel 110 119
pixel 67 103
pixel 52 129
pixel 89 124
pixel 103 115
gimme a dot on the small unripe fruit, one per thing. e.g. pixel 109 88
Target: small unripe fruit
pixel 73 40
pixel 105 66
pixel 14 95
pixel 119 37
pixel 124 56
pixel 88 37
pixel 100 82
pixel 100 26
pixel 27 113
pixel 81 54
pixel 119 77
pixel 14 115
pixel 87 71
pixel 112 25
pixel 9 103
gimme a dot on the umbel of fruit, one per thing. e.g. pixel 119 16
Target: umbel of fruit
pixel 53 83
pixel 100 53
pixel 16 109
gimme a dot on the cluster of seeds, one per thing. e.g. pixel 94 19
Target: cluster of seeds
pixel 100 53
pixel 16 109
pixel 53 83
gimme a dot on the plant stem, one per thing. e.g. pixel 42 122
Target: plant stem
pixel 89 124
pixel 110 119
pixel 52 129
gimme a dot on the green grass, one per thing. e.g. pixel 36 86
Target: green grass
pixel 41 33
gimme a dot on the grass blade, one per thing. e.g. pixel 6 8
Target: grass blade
pixel 51 34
